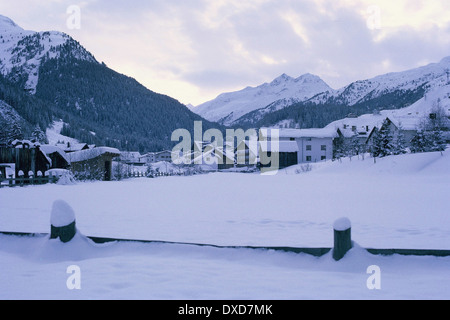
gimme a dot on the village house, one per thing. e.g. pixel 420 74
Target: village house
pixel 153 157
pixel 210 157
pixel 246 153
pixel 294 146
pixel 147 158
pixel 408 126
pixel 93 164
pixel 133 158
pixel 165 155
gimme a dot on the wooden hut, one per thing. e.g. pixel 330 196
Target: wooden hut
pixel 93 164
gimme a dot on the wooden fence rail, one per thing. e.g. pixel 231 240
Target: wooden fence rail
pixel 341 228
pixel 20 182
pixel 317 252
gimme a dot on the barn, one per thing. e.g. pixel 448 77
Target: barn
pixel 25 157
pixel 93 164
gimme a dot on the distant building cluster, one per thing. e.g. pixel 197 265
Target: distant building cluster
pixel 377 134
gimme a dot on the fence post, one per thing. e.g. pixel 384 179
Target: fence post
pixel 342 238
pixel 62 222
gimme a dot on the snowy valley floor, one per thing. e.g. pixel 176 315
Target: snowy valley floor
pixel 399 202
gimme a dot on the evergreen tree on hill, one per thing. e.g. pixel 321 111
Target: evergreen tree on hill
pixel 382 145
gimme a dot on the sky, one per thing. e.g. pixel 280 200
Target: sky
pixel 193 50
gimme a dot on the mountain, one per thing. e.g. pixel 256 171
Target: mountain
pixel 389 91
pixel 22 52
pixel 432 75
pixel 48 76
pixel 227 108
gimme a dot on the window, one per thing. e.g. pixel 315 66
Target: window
pixel 323 158
pixel 323 147
pixel 308 147
pixel 292 139
pixel 308 158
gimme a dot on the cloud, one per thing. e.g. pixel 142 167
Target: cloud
pixel 194 50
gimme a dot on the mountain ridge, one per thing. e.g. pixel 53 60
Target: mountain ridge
pixel 392 90
pixel 229 106
pixel 98 105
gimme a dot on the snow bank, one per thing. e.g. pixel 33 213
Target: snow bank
pixel 405 210
pixel 428 163
pixel 183 272
pixel 164 167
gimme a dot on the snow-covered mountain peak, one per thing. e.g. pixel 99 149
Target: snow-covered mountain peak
pixel 7 24
pixel 23 51
pixel 281 79
pixel 283 90
pixel 445 61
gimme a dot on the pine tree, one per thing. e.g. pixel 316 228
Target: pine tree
pixel 382 145
pixel 355 145
pixel 14 132
pixel 420 142
pixel 339 148
pixel 430 135
pixel 399 143
pixel 437 141
pixel 39 135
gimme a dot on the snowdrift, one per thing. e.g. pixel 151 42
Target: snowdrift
pixel 429 163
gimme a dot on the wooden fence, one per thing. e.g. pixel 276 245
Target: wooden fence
pixel 342 244
pixel 20 182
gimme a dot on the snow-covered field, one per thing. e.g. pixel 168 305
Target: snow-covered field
pixel 399 202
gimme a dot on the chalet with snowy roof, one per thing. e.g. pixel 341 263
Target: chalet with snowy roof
pixel 246 153
pixel 210 157
pixel 358 128
pixel 153 157
pixel 72 147
pixel 147 158
pixel 58 157
pixel 93 164
pixel 294 146
pixel 165 155
pixel 407 126
pixel 132 158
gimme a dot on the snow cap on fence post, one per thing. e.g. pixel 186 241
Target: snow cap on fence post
pixel 342 238
pixel 62 221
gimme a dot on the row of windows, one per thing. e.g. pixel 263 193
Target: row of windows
pixel 309 159
pixel 322 147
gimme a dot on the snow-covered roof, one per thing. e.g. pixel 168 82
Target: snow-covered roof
pixel 405 122
pixel 164 151
pixel 48 149
pixel 279 146
pixel 84 155
pixel 72 147
pixel 252 145
pixel 130 156
pixel 364 123
pixel 327 132
pixel 20 143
